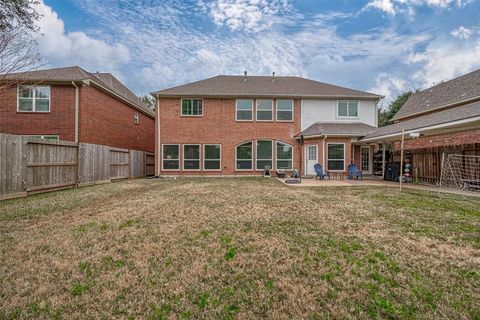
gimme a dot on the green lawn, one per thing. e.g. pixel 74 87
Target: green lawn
pixel 239 248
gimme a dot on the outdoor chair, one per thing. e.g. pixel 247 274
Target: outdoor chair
pixel 267 172
pixel 281 173
pixel 321 174
pixel 354 172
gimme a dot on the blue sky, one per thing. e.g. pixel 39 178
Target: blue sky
pixel 383 46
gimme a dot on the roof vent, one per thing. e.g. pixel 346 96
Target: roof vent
pixel 464 94
pixel 273 76
pixel 244 76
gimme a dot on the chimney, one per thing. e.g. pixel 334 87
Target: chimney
pixel 273 76
pixel 244 76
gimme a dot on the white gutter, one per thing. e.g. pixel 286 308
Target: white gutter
pixel 323 152
pixel 438 126
pixel 76 112
pixel 158 143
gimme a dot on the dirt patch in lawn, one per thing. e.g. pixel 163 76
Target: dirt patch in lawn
pixel 239 248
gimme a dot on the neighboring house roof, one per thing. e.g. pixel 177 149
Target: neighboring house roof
pixel 344 129
pixel 75 73
pixel 468 111
pixel 455 91
pixel 262 86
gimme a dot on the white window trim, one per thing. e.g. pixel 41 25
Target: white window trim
pixel 344 157
pixel 251 161
pixel 34 98
pixel 191 115
pixel 348 108
pixel 199 157
pixel 256 110
pixel 136 118
pixel 171 144
pixel 276 110
pixel 205 159
pixel 256 153
pixel 276 155
pixel 236 112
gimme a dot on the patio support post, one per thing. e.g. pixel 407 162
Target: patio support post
pixel 401 157
pixel 383 159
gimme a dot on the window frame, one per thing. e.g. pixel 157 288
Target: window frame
pixel 205 159
pixel 276 155
pixel 271 110
pixel 348 110
pixel 136 118
pixel 251 160
pixel 344 156
pixel 34 98
pixel 191 115
pixel 199 156
pixel 236 111
pixel 276 110
pixel 256 155
pixel 163 159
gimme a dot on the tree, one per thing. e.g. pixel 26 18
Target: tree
pixel 386 114
pixel 18 49
pixel 149 101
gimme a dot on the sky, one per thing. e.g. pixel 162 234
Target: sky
pixel 381 46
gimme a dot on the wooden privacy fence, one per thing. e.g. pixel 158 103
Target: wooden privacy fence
pixel 29 165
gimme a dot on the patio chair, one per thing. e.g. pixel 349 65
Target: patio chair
pixel 321 174
pixel 354 172
pixel 266 172
pixel 281 173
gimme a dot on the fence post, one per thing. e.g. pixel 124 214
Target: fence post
pixel 441 169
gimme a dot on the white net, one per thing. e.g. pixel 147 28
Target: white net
pixel 460 172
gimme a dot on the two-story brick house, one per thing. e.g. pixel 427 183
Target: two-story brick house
pixel 75 105
pixel 234 125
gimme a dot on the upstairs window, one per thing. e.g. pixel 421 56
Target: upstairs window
pixel 264 110
pixel 135 118
pixel 192 107
pixel 285 110
pixel 244 110
pixel 33 98
pixel 264 154
pixel 347 109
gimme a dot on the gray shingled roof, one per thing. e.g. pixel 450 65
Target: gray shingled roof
pixel 350 129
pixel 454 91
pixel 76 73
pixel 262 86
pixel 441 117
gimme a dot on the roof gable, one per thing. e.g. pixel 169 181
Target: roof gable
pixel 464 88
pixel 262 86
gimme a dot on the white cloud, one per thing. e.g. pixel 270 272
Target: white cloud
pixel 389 86
pixel 407 6
pixel 63 48
pixel 248 15
pixel 462 33
pixel 443 61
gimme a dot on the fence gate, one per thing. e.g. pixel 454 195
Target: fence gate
pixel 12 166
pixel 119 163
pixel 149 164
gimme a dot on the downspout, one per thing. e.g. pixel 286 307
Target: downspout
pixel 76 112
pixel 158 144
pixel 323 152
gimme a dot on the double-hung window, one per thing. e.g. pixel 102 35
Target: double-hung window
pixel 171 157
pixel 264 154
pixel 347 109
pixel 284 156
pixel 336 156
pixel 264 110
pixel 284 110
pixel 192 107
pixel 212 156
pixel 33 98
pixel 191 157
pixel 244 110
pixel 244 156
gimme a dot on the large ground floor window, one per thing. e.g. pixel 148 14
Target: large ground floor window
pixel 336 156
pixel 284 156
pixel 171 157
pixel 264 154
pixel 212 156
pixel 191 157
pixel 244 156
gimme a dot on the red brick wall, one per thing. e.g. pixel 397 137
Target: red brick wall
pixel 107 121
pixel 218 125
pixel 448 139
pixel 59 121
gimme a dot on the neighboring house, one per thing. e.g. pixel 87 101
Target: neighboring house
pixel 442 119
pixel 241 124
pixel 75 105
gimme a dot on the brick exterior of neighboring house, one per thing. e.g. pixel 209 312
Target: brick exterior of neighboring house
pixel 104 118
